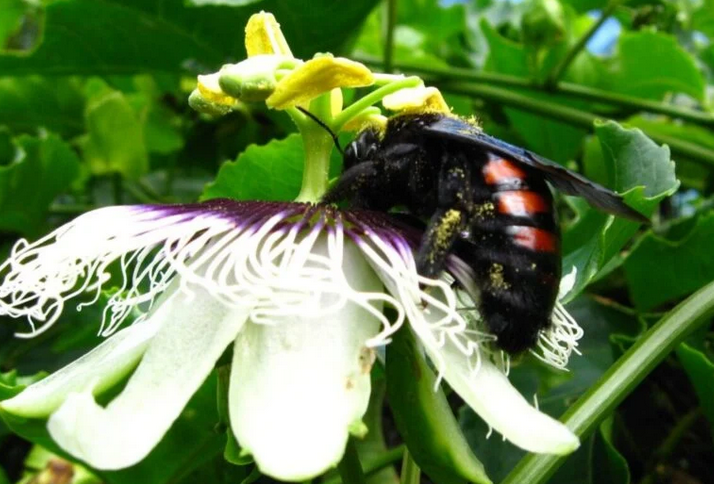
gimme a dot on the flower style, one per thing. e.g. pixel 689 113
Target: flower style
pixel 295 289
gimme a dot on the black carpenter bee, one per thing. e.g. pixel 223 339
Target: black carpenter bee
pixel 485 200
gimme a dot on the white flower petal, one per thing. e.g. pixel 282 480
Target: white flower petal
pixel 490 394
pixel 96 371
pixel 299 384
pixel 178 360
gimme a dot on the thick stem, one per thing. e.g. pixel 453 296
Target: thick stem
pixel 391 20
pixel 437 74
pixel 575 117
pixel 560 68
pixel 620 379
pixel 318 146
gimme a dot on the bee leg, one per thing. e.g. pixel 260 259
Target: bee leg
pixel 354 183
pixel 442 230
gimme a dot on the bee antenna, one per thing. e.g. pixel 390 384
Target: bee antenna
pixel 324 126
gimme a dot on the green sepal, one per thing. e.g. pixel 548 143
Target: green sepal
pixel 424 418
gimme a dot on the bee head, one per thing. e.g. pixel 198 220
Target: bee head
pixel 363 148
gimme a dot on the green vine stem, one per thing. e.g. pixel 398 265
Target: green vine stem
pixel 391 21
pixel 372 98
pixel 575 117
pixel 349 467
pixel 439 74
pixel 559 70
pixel 620 379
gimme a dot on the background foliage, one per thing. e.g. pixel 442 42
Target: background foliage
pixel 93 112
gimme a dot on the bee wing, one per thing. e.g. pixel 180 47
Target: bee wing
pixel 560 177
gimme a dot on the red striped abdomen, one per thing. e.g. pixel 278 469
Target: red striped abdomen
pixel 517 253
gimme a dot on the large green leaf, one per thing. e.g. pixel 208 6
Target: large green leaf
pixel 11 18
pixel 270 172
pixel 635 165
pixel 44 167
pixel 692 174
pixel 661 269
pixel 553 139
pixel 703 18
pixel 651 64
pixel 32 102
pixel 700 370
pixel 140 36
pixel 115 139
pixel 432 18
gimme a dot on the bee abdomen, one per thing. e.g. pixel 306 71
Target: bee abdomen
pixel 518 255
pixel 518 290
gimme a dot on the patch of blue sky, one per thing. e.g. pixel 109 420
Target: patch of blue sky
pixel 605 39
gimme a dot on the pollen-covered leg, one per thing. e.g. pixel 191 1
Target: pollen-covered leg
pixel 441 232
pixel 354 184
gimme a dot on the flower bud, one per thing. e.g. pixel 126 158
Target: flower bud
pixel 253 79
pixel 543 22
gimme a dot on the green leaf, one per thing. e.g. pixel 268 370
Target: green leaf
pixel 45 167
pixel 651 64
pixel 608 465
pixel 433 19
pixel 189 444
pixel 597 461
pixel 140 36
pixel 10 20
pixel 552 139
pixel 227 3
pixel 115 139
pixel 683 264
pixel 424 418
pixel 703 18
pixel 271 172
pixel 30 102
pixel 692 174
pixel 700 371
pixel 586 5
pixel 635 165
pixel 161 133
pixel 372 446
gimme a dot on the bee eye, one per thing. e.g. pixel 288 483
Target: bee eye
pixel 351 157
pixel 370 152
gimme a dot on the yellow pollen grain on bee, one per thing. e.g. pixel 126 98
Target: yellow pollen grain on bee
pixel 451 219
pixel 498 281
pixel 483 210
